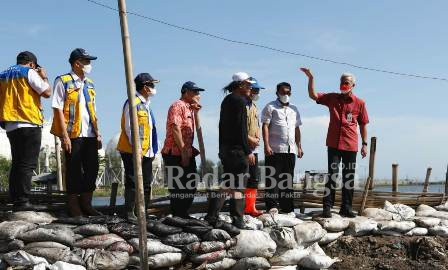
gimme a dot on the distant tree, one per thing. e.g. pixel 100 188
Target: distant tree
pixel 209 165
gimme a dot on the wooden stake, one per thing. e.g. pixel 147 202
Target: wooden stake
pixel 426 184
pixel 136 148
pixel 446 182
pixel 394 179
pixel 369 186
pixel 201 142
pixel 57 149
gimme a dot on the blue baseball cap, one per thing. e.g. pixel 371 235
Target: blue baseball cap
pixel 190 86
pixel 80 53
pixel 144 78
pixel 255 84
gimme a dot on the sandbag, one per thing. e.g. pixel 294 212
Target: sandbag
pixel 121 246
pixel 198 230
pixel 22 258
pixel 208 257
pixel 251 243
pixel 73 220
pixel 161 229
pixel 281 220
pixel 424 208
pixel 308 232
pixel 330 237
pixel 442 207
pixel 417 231
pixel 46 244
pixel 253 263
pixel 8 245
pixel 398 226
pixel 401 211
pixel 317 261
pixel 165 260
pixel 333 224
pixel 154 247
pixel 128 231
pixel 434 214
pixel 91 229
pixel 66 266
pixel 203 247
pixel 444 223
pixel 105 260
pixel 377 214
pixel 286 257
pixel 98 241
pixel 32 217
pixel 386 232
pixel 225 218
pixel 284 237
pixel 10 229
pixel 175 221
pixel 62 236
pixel 56 254
pixel 439 231
pixel 180 239
pixel 253 223
pixel 360 226
pixel 427 222
pixel 216 235
pixel 226 263
pixel 105 219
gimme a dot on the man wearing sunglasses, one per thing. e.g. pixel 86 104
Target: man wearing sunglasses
pixel 178 152
pixel 145 86
pixel 346 112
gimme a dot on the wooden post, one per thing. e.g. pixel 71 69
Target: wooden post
pixel 394 179
pixel 57 149
pixel 304 191
pixel 201 142
pixel 368 186
pixel 136 148
pixel 446 182
pixel 426 184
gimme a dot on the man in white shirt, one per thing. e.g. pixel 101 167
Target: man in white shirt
pixel 76 123
pixel 21 87
pixel 282 143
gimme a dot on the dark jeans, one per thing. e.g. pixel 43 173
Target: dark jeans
pixel 25 148
pixel 280 193
pixel 254 179
pixel 181 187
pixel 348 159
pixel 82 165
pixel 129 183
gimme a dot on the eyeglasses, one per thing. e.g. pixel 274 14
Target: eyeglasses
pixel 149 84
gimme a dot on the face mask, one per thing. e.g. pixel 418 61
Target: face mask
pixel 152 92
pixel 345 89
pixel 284 99
pixel 87 69
pixel 255 97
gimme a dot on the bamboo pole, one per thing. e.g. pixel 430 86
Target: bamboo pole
pixel 369 186
pixel 394 179
pixel 200 142
pixel 136 148
pixel 57 149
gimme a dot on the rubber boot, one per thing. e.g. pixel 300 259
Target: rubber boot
pixel 73 205
pixel 86 204
pixel 215 204
pixel 251 198
pixel 129 201
pixel 237 213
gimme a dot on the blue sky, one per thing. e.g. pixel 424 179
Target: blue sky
pixel 408 115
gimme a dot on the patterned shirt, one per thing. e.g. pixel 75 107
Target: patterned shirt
pixel 180 114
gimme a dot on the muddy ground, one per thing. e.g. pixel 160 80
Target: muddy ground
pixel 387 253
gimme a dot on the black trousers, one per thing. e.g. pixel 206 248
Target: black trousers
pixel 25 148
pixel 82 165
pixel 254 179
pixel 279 188
pixel 348 159
pixel 129 182
pixel 182 187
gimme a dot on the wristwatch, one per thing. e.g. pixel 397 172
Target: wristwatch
pixel 364 143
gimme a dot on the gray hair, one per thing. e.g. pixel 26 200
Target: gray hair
pixel 349 75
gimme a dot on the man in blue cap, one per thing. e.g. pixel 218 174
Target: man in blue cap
pixel 178 151
pixel 75 122
pixel 145 86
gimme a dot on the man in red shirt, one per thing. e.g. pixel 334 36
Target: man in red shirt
pixel 346 112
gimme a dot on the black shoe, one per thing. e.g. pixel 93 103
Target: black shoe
pixel 347 213
pixel 240 224
pixel 229 228
pixel 27 206
pixel 326 213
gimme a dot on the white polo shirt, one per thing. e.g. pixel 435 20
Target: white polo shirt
pixel 127 121
pixel 39 86
pixel 282 121
pixel 59 98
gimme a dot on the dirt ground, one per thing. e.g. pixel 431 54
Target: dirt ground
pixel 387 253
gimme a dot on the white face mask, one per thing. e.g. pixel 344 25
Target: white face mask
pixel 152 92
pixel 345 92
pixel 284 99
pixel 87 69
pixel 255 97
